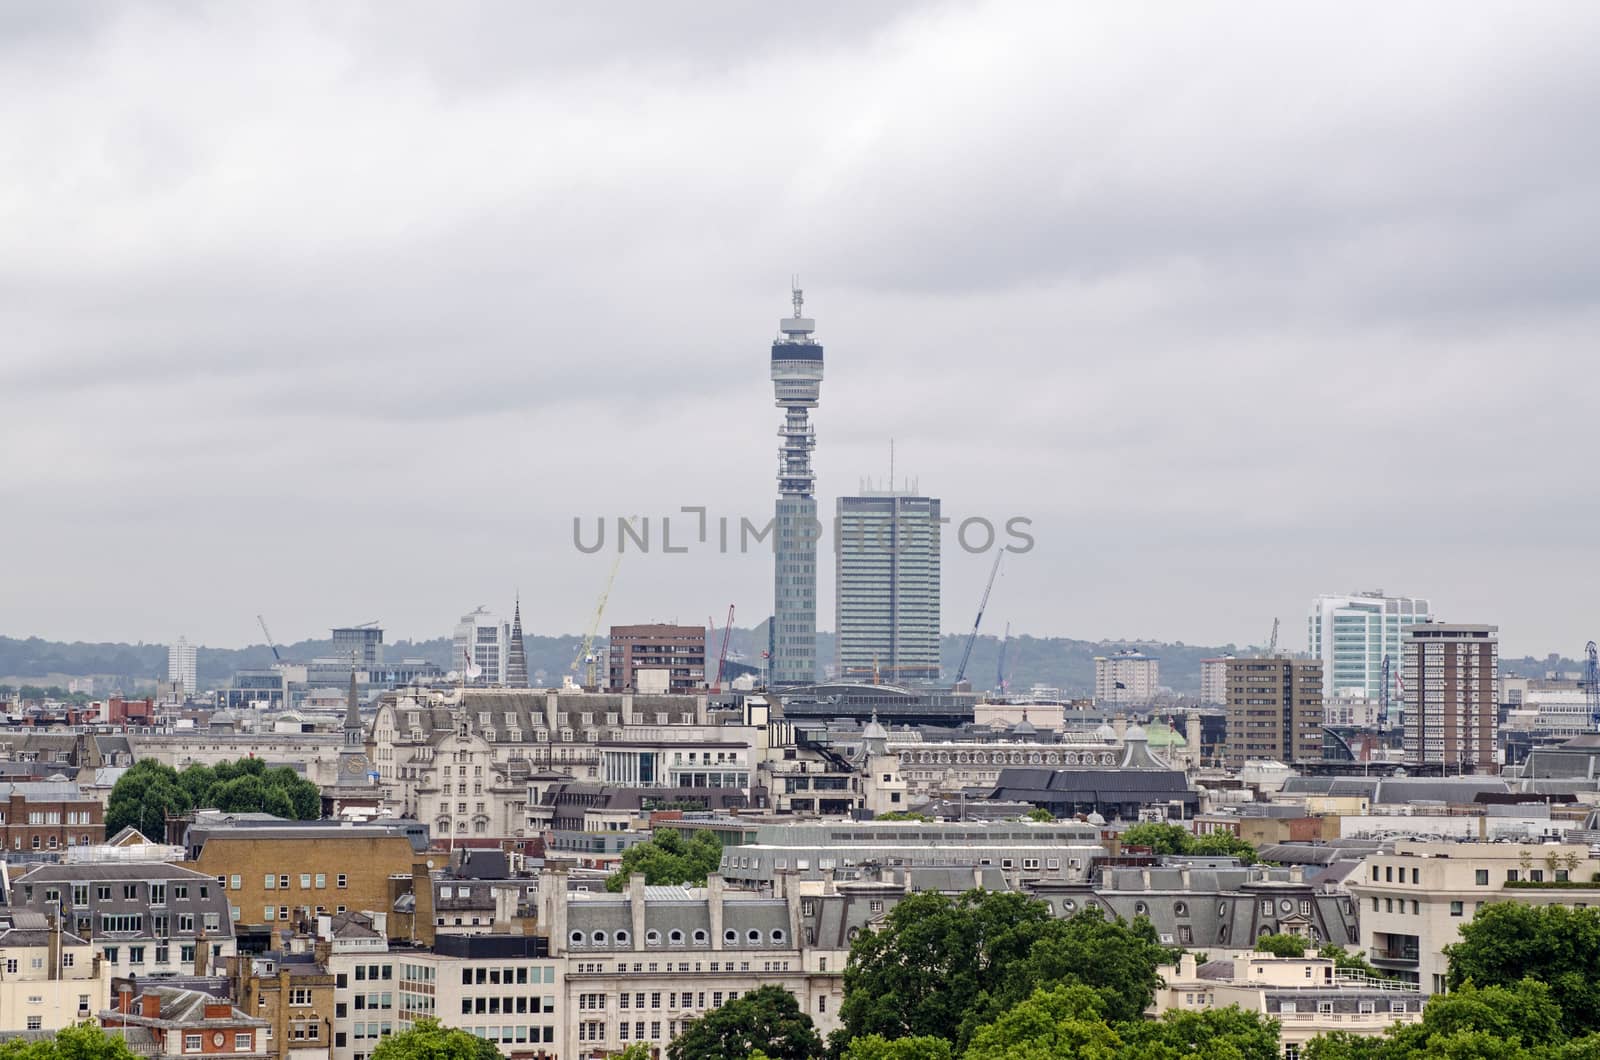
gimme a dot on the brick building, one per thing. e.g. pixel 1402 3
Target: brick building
pixel 165 1022
pixel 282 873
pixel 1275 710
pixel 294 992
pixel 49 815
pixel 675 654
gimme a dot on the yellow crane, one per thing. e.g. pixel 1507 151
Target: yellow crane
pixel 586 649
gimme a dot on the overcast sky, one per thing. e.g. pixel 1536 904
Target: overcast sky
pixel 337 312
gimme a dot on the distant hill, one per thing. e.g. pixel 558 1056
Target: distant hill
pixel 1057 662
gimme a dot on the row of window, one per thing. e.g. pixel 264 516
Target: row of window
pixel 519 1004
pixel 243 1042
pixel 280 882
pixel 776 936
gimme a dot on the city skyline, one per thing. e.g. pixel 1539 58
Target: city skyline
pixel 1064 298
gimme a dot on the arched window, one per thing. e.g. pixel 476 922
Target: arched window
pixel 777 936
pixel 652 937
pixel 621 937
pixel 753 937
pixel 598 938
pixel 730 936
pixel 577 938
pixel 675 937
pixel 1180 908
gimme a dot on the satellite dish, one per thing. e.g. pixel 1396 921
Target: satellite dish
pixel 452 676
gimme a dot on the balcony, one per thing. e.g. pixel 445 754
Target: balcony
pixel 1399 955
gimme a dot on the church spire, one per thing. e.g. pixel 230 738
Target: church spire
pixel 516 653
pixel 352 709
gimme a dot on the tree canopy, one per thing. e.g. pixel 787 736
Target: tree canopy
pixel 82 1041
pixel 428 1039
pixel 767 1020
pixel 149 792
pixel 943 967
pixel 1164 838
pixel 1283 945
pixel 668 858
pixel 1508 942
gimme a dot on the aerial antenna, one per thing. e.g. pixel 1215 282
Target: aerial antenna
pixel 798 294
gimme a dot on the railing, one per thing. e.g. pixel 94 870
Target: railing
pixel 1407 955
pixel 1348 1018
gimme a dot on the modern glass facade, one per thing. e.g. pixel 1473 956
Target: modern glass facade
pixel 1352 634
pixel 887 588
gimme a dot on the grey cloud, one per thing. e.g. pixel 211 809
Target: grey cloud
pixel 1238 308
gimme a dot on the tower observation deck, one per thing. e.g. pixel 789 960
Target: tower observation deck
pixel 797 387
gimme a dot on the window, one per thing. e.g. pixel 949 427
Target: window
pixel 191 1043
pixel 1457 908
pixel 1481 877
pixel 340 879
pixel 35 1023
pixel 305 881
pixel 244 1041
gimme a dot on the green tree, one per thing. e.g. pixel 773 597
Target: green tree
pixel 945 967
pixel 1039 813
pixel 1224 845
pixel 1521 1022
pixel 902 815
pixel 1507 942
pixel 1283 945
pixel 768 1020
pixel 668 858
pixel 149 791
pixel 1164 839
pixel 933 960
pixel 82 1041
pixel 877 1047
pixel 1160 838
pixel 1064 1021
pixel 1215 1034
pixel 428 1039
pixel 144 797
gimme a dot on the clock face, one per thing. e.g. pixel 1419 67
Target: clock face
pixel 356 765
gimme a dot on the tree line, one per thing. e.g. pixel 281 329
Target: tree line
pixel 150 792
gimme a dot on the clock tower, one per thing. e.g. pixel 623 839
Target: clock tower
pixel 354 769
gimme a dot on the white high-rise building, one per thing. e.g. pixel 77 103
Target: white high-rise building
pixel 1127 677
pixel 1214 680
pixel 181 666
pixel 887 588
pixel 485 640
pixel 1352 634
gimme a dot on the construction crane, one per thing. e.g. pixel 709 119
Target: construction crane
pixel 265 632
pixel 1000 667
pixel 972 638
pixel 1272 644
pixel 586 649
pixel 1383 697
pixel 1591 683
pixel 722 656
